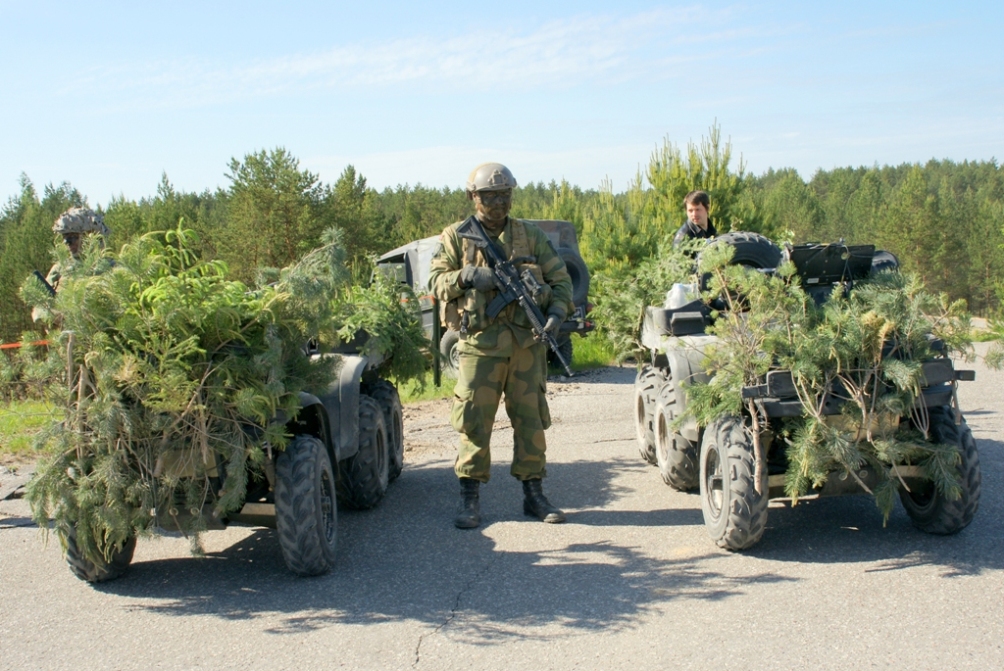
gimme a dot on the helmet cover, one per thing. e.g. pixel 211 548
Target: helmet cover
pixel 80 220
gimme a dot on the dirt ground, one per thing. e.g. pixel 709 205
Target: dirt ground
pixel 427 429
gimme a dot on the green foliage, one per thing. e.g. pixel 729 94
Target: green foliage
pixel 177 372
pixel 995 354
pixel 591 352
pixel 27 371
pixel 386 316
pixel 864 349
pixel 622 293
pixel 20 421
pixel 943 219
pixel 26 241
pixel 705 166
pixel 273 213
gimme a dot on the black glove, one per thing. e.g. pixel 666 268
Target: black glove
pixel 482 279
pixel 555 317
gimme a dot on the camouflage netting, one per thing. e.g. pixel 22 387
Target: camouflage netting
pixel 165 355
pixel 869 344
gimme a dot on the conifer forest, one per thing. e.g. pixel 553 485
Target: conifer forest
pixel 943 219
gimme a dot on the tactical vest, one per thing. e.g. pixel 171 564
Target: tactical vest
pixel 466 313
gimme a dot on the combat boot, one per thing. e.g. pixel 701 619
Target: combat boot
pixel 537 505
pixel 470 512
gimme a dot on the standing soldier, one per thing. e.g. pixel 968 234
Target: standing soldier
pixel 73 225
pixel 499 356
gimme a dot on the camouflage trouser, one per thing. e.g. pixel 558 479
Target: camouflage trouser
pixel 480 384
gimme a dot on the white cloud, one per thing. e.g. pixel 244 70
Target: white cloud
pixel 556 54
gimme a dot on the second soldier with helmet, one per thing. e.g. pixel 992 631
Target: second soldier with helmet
pixel 500 357
pixel 73 225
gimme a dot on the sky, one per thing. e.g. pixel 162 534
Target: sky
pixel 110 96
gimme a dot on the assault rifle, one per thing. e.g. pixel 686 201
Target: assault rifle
pixel 45 283
pixel 511 285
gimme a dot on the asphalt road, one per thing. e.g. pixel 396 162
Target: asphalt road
pixel 630 582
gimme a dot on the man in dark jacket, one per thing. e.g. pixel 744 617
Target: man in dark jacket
pixel 697 224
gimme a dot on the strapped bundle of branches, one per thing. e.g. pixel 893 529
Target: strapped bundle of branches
pixel 174 374
pixel 863 349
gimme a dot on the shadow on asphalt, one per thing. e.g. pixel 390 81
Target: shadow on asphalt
pixel 606 375
pixel 405 561
pixel 850 529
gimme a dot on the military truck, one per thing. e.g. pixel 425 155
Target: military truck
pixel 409 264
pixel 719 460
pixel 347 445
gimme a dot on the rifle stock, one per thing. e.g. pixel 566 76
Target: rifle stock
pixel 511 286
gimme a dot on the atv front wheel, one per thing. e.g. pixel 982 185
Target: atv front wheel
pixel 931 510
pixel 89 571
pixel 734 513
pixel 306 512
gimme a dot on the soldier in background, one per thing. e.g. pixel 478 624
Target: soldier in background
pixel 73 225
pixel 499 356
pixel 697 224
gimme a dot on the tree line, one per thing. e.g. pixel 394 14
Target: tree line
pixel 943 219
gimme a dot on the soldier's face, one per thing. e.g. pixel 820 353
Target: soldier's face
pixel 72 241
pixel 493 206
pixel 698 214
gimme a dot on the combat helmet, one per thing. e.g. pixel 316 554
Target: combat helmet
pixel 80 220
pixel 490 177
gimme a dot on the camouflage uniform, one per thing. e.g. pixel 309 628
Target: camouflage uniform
pixel 500 356
pixel 76 221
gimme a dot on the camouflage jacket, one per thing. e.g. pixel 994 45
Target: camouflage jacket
pixel 511 326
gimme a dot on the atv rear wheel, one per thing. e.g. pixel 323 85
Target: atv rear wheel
pixel 364 476
pixel 735 515
pixel 389 401
pixel 306 512
pixel 931 510
pixel 646 387
pixel 676 456
pixel 89 571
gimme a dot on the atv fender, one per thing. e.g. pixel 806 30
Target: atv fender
pixel 342 403
pixel 685 359
pixel 313 420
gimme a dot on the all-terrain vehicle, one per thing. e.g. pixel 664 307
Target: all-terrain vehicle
pixel 719 459
pixel 410 263
pixel 347 445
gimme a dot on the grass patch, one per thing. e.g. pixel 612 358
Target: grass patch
pixel 592 351
pixel 413 390
pixel 19 422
